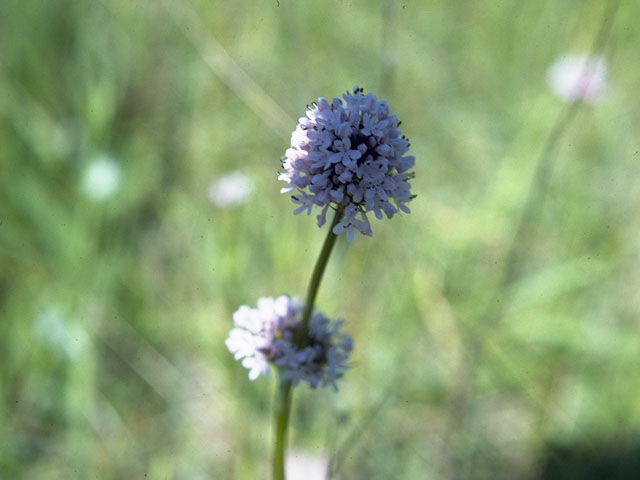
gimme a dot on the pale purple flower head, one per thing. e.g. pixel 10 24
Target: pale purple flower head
pixel 579 77
pixel 265 335
pixel 349 155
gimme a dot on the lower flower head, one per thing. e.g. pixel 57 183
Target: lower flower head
pixel 265 335
pixel 349 155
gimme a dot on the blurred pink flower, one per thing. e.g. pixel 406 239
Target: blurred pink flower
pixel 578 77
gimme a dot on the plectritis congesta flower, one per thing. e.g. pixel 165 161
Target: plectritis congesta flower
pixel 266 334
pixel 579 78
pixel 349 155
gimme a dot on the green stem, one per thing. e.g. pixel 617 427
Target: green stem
pixel 316 278
pixel 283 401
pixel 281 424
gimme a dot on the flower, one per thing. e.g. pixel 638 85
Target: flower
pixel 101 178
pixel 578 78
pixel 230 190
pixel 350 156
pixel 265 335
pixel 59 332
pixel 302 465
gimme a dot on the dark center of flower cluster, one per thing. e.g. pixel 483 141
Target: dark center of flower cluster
pixel 319 345
pixel 321 348
pixel 358 139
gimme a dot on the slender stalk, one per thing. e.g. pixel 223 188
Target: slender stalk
pixel 316 278
pixel 280 425
pixel 282 407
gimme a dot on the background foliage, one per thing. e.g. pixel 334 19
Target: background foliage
pixel 496 326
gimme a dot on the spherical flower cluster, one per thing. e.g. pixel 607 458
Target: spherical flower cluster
pixel 266 335
pixel 349 155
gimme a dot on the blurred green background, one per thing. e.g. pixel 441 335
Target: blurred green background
pixel 496 327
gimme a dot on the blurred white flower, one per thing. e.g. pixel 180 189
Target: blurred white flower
pixel 306 466
pixel 578 77
pixel 230 190
pixel 55 329
pixel 101 177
